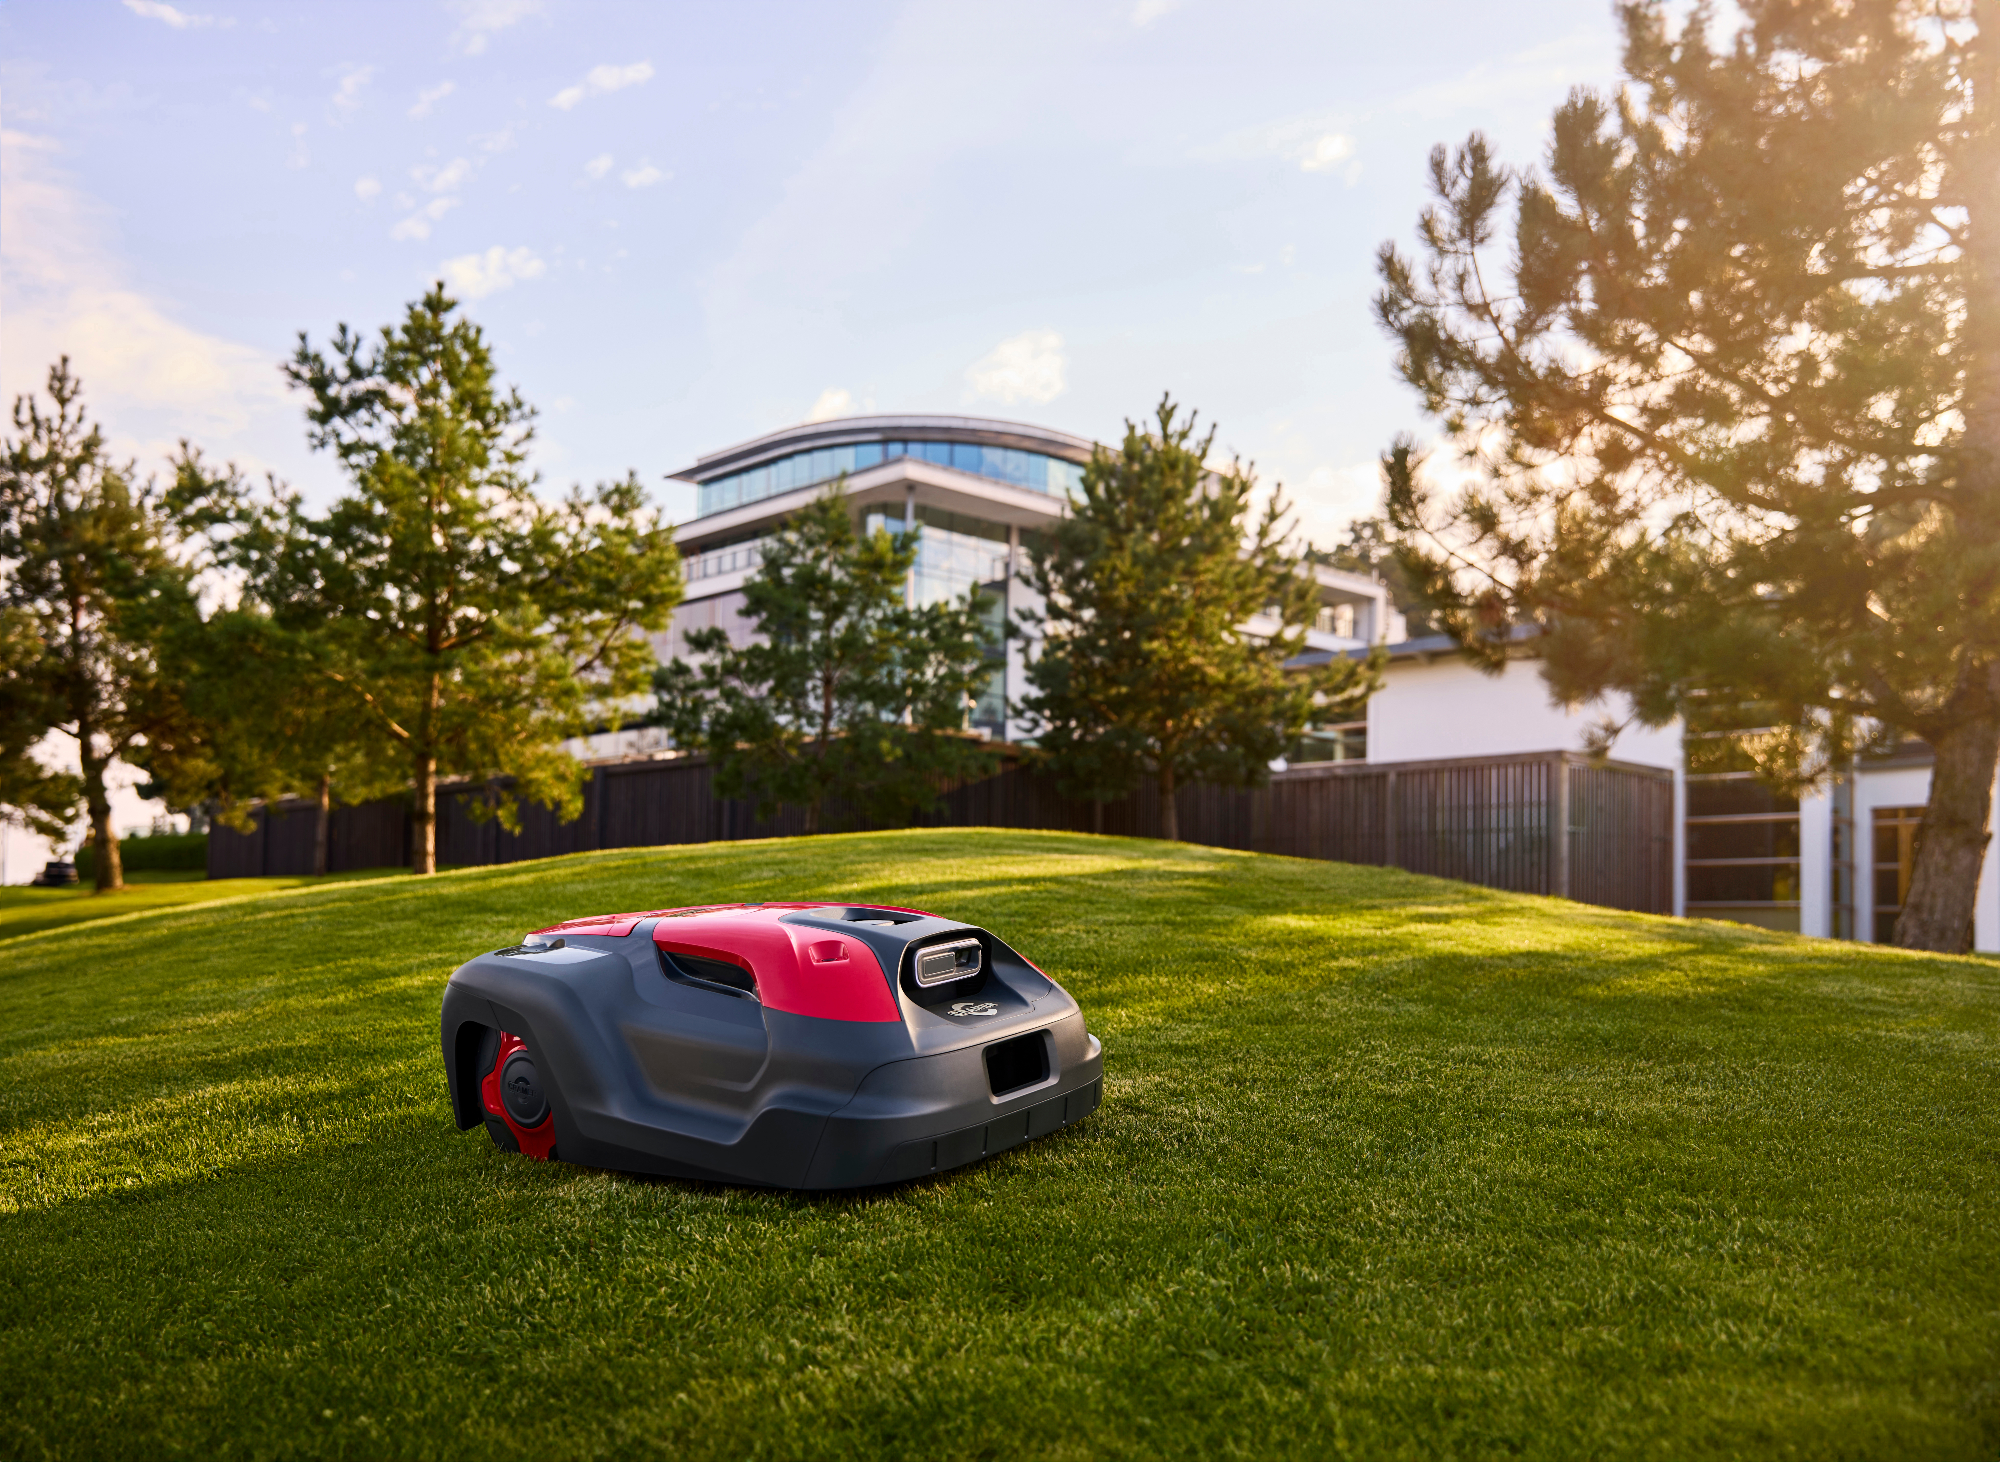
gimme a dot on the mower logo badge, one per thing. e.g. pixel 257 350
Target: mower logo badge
pixel 973 1007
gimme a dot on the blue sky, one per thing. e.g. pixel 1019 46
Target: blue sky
pixel 685 225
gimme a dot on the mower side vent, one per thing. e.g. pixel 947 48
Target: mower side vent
pixel 714 973
pixel 1021 1062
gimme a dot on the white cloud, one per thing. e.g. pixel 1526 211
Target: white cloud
pixel 1026 367
pixel 642 176
pixel 601 79
pixel 430 96
pixel 347 96
pixel 477 275
pixel 298 157
pixel 1145 12
pixel 418 224
pixel 149 378
pixel 1315 143
pixel 367 189
pixel 1326 151
pixel 833 401
pixel 598 166
pixel 178 19
pixel 495 141
pixel 442 179
pixel 481 19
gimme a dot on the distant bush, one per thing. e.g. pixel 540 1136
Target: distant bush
pixel 160 853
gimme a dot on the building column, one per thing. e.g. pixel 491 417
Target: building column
pixel 1816 864
pixel 909 526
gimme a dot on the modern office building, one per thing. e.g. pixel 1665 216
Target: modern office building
pixel 978 489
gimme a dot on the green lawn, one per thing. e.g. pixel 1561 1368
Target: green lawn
pixel 1386 1167
pixel 25 910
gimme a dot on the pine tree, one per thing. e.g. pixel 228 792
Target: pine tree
pixel 1145 668
pixel 469 626
pixel 1732 402
pixel 847 695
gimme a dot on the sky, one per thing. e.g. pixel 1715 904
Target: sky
pixel 687 225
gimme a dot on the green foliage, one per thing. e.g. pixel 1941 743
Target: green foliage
pixel 1729 393
pixel 152 853
pixel 30 795
pixel 1387 1167
pixel 847 695
pixel 439 619
pixel 1145 669
pixel 91 587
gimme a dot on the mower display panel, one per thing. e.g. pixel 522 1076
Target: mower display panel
pixel 787 1045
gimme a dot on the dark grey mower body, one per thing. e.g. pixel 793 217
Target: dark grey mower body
pixel 656 1063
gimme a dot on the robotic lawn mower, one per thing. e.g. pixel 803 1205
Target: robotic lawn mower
pixel 785 1045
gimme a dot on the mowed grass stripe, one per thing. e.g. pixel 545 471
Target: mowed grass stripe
pixel 1386 1165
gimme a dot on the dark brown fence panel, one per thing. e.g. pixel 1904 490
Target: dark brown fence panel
pixel 1486 820
pixel 1482 823
pixel 280 840
pixel 1621 839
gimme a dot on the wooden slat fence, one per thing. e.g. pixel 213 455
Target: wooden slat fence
pixel 1485 820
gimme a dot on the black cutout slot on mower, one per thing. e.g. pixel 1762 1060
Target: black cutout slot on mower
pixel 1017 1064
pixel 877 918
pixel 709 974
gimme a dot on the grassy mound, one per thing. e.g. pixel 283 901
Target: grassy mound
pixel 28 910
pixel 1386 1166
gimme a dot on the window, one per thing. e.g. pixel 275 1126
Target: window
pixel 1742 851
pixel 1842 901
pixel 1345 741
pixel 1895 855
pixel 1335 619
pixel 955 554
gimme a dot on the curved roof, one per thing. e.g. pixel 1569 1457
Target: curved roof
pixel 847 429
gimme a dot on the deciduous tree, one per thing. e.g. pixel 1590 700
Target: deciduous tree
pixel 1727 377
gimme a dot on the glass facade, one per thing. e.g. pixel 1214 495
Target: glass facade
pixel 1017 468
pixel 955 556
pixel 1742 851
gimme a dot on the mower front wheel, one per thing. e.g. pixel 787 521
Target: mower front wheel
pixel 519 1115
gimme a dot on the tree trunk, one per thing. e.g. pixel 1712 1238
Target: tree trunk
pixel 104 842
pixel 423 850
pixel 423 846
pixel 1170 821
pixel 1951 843
pixel 812 817
pixel 324 826
pixel 110 875
pixel 1097 815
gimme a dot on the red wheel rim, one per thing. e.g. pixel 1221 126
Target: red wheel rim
pixel 536 1141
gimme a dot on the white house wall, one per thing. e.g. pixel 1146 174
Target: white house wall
pixel 1450 709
